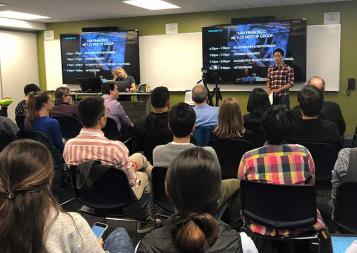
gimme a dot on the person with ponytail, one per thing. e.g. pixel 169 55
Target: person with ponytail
pixel 39 105
pixel 193 183
pixel 31 220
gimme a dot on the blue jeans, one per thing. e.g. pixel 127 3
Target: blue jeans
pixel 119 242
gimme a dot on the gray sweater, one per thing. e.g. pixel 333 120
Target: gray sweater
pixel 163 155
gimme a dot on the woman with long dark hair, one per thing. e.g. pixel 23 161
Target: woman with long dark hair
pixel 193 183
pixel 39 105
pixel 258 103
pixel 31 221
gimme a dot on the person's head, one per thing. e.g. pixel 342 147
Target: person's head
pixel 37 102
pixel 110 89
pixel 31 87
pixel 278 124
pixel 318 82
pixel 25 196
pixel 160 98
pixel 63 95
pixel 92 113
pixel 310 100
pixel 193 183
pixel 258 101
pixel 278 55
pixel 120 72
pixel 199 94
pixel 230 120
pixel 182 120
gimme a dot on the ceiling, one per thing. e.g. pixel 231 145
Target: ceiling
pixel 71 10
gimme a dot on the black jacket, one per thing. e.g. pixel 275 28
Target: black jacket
pixel 160 241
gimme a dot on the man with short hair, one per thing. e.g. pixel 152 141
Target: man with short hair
pixel 206 115
pixel 311 128
pixel 330 110
pixel 63 103
pixel 280 79
pixel 181 123
pixel 91 144
pixel 154 130
pixel 116 111
pixel 278 163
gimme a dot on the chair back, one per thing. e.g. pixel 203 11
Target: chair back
pixel 110 191
pixel 70 126
pixel 202 135
pixel 279 206
pixel 5 139
pixel 20 122
pixel 160 198
pixel 346 207
pixel 111 130
pixel 229 153
pixel 257 131
pixel 325 156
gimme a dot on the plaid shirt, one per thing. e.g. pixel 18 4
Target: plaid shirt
pixel 278 164
pixel 280 76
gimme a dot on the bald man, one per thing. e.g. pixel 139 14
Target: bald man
pixel 330 110
pixel 206 115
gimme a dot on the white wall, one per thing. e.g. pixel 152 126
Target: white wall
pixel 18 64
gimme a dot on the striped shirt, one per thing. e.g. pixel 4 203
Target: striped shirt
pixel 278 164
pixel 91 144
pixel 280 76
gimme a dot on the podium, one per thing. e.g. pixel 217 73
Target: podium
pixel 137 108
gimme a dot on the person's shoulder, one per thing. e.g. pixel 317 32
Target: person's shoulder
pixel 209 149
pixel 160 148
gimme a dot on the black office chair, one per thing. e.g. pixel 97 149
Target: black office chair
pixel 20 122
pixel 229 153
pixel 257 131
pixel 202 135
pixel 325 156
pixel 111 130
pixel 70 126
pixel 280 207
pixel 346 207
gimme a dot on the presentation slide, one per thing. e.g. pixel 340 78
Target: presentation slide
pixel 241 54
pixel 91 55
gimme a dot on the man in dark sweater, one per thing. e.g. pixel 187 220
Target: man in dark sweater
pixel 330 110
pixel 311 128
pixel 154 131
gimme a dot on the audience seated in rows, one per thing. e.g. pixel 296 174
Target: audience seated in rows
pixel 344 171
pixel 279 163
pixel 193 183
pixel 330 110
pixel 230 122
pixel 91 144
pixel 154 130
pixel 31 218
pixel 63 103
pixel 181 123
pixel 311 128
pixel 115 109
pixel 38 108
pixel 258 103
pixel 206 115
pixel 20 110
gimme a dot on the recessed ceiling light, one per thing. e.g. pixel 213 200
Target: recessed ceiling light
pixel 152 4
pixel 2 5
pixel 20 15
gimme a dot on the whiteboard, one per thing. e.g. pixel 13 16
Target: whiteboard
pixel 175 61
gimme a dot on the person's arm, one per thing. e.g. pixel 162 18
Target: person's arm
pixel 241 169
pixel 268 83
pixel 248 245
pixel 311 168
pixel 139 136
pixel 132 85
pixel 57 135
pixel 123 116
pixel 290 80
pixel 341 124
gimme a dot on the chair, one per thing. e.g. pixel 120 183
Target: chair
pixel 202 135
pixel 20 122
pixel 229 153
pixel 280 207
pixel 5 139
pixel 110 196
pixel 111 130
pixel 346 207
pixel 325 156
pixel 257 131
pixel 70 126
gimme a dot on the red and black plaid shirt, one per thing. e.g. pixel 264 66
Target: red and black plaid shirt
pixel 280 76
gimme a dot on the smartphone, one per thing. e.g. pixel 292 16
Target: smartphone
pixel 99 229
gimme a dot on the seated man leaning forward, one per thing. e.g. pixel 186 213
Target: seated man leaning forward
pixel 91 144
pixel 181 123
